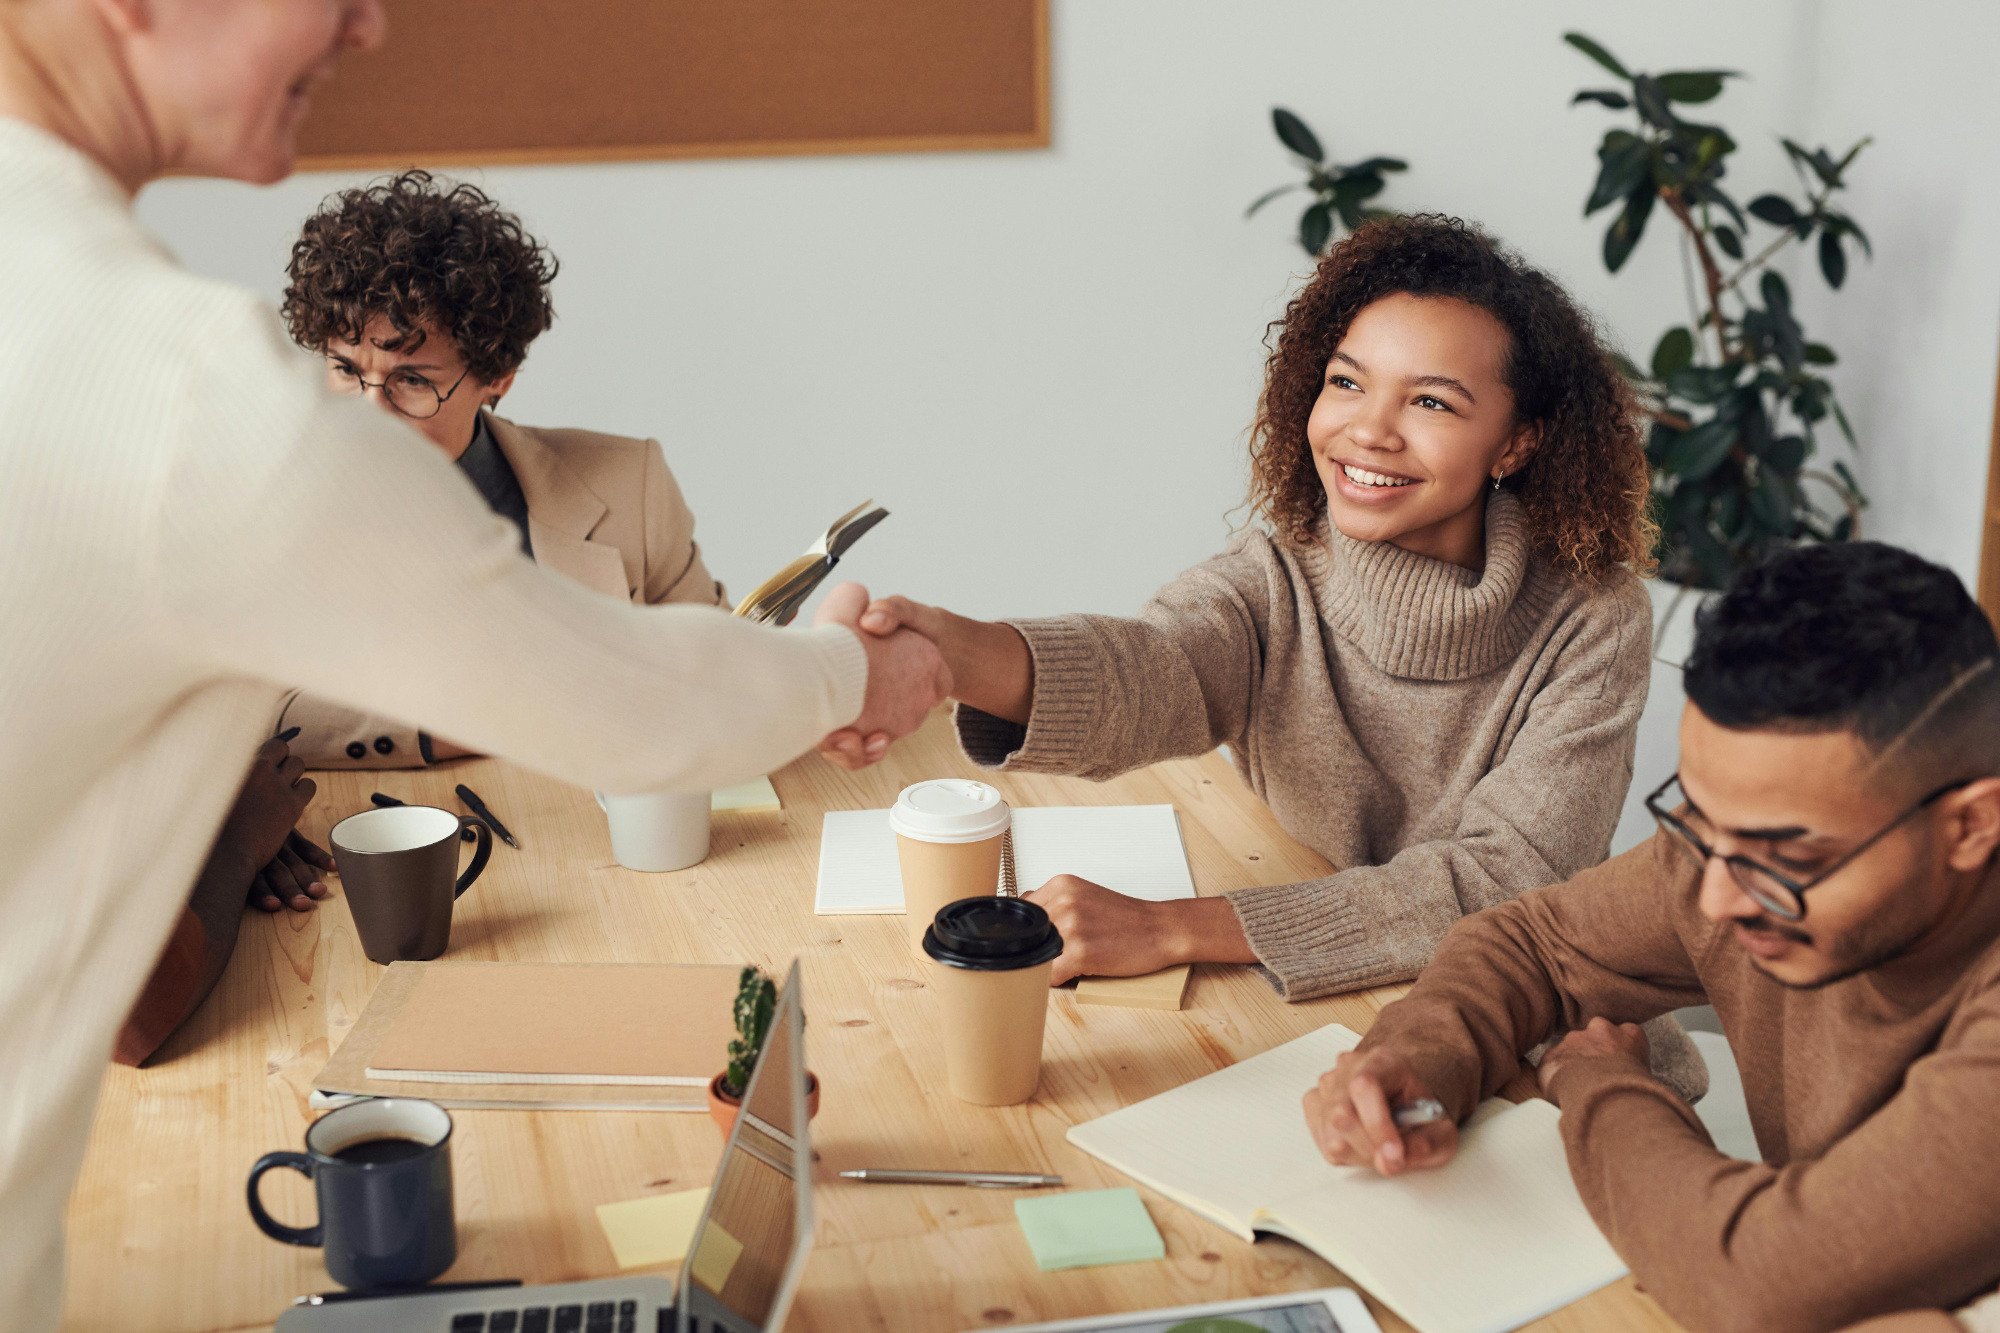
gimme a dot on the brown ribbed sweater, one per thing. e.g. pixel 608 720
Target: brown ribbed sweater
pixel 1449 739
pixel 1874 1099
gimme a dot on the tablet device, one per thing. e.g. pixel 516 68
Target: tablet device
pixel 1329 1310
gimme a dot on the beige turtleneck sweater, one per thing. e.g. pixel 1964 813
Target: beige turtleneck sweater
pixel 1449 739
pixel 1873 1098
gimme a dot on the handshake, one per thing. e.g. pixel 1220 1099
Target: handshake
pixel 908 675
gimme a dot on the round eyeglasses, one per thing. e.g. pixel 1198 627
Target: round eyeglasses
pixel 409 393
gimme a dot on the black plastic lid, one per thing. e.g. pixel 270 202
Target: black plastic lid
pixel 992 935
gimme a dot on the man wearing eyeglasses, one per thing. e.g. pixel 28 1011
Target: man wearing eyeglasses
pixel 1825 876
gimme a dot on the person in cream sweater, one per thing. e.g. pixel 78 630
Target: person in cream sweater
pixel 162 442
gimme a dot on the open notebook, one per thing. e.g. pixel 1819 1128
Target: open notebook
pixel 1487 1243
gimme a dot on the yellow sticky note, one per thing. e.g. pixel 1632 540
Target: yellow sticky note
pixel 716 1259
pixel 653 1230
pixel 751 797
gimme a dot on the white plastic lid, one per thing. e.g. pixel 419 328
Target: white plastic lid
pixel 950 810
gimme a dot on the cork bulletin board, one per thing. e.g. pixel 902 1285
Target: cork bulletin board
pixel 504 81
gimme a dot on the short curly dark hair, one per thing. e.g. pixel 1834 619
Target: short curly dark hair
pixel 421 251
pixel 1585 488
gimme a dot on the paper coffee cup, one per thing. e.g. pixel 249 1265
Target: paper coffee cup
pixel 949 833
pixel 990 964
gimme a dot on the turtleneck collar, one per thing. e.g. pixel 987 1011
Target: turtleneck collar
pixel 1425 619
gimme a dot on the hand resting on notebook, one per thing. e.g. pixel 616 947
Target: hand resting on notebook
pixel 1351 1113
pixel 1107 934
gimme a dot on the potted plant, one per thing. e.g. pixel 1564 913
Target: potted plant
pixel 1737 394
pixel 756 1000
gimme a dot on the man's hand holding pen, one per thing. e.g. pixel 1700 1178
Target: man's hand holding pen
pixel 1361 1113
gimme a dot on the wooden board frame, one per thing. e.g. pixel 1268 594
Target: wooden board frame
pixel 1036 135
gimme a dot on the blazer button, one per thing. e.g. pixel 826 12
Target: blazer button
pixel 356 750
pixel 383 745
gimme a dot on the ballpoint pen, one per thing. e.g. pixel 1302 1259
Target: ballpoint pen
pixel 1004 1180
pixel 1422 1111
pixel 478 807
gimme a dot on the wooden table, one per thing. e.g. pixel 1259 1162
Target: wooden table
pixel 160 1239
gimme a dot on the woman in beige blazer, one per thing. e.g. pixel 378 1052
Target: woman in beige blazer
pixel 425 295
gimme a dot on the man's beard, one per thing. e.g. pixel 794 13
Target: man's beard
pixel 1862 950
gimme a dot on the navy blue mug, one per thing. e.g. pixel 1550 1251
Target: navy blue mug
pixel 381 1171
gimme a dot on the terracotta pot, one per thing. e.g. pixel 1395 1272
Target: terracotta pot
pixel 722 1107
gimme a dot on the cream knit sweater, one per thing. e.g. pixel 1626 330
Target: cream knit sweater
pixel 187 520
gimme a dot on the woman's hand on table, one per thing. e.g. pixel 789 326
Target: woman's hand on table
pixel 293 877
pixel 1352 1115
pixel 258 837
pixel 1106 934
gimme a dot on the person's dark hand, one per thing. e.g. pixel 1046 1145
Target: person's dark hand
pixel 907 678
pixel 258 832
pixel 1105 933
pixel 1352 1115
pixel 1599 1039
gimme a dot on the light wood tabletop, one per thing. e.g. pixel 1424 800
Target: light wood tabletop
pixel 160 1239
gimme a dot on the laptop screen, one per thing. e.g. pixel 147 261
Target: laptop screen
pixel 747 1254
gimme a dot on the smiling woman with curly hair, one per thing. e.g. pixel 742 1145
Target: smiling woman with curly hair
pixel 1432 663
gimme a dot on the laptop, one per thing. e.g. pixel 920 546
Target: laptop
pixel 745 1257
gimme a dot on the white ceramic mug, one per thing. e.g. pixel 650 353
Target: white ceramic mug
pixel 658 830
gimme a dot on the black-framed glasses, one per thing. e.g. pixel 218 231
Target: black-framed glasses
pixel 1774 891
pixel 405 390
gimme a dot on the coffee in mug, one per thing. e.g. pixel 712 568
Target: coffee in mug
pixel 399 873
pixel 991 959
pixel 949 834
pixel 381 1173
pixel 657 830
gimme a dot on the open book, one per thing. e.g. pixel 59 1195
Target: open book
pixel 777 599
pixel 1494 1239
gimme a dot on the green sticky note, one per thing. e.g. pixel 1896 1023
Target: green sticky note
pixel 1088 1228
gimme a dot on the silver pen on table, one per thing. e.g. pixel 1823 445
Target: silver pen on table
pixel 1003 1180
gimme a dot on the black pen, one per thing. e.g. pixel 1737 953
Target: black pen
pixel 478 807
pixel 385 801
pixel 289 734
pixel 331 1297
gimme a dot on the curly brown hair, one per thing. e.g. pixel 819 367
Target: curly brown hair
pixel 1585 486
pixel 421 251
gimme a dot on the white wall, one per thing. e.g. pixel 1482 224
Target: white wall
pixel 1044 362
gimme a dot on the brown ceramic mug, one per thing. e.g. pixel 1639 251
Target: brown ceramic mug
pixel 399 873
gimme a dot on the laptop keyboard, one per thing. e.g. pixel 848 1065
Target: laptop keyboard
pixel 577 1317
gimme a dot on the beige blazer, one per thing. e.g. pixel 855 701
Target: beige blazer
pixel 603 510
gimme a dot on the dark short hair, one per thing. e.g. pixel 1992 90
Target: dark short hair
pixel 1850 636
pixel 417 250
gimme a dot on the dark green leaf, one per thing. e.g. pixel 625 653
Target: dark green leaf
pixel 1701 384
pixel 1316 228
pixel 1828 170
pixel 1597 53
pixel 1774 209
pixel 1352 215
pixel 1377 165
pixel 1848 431
pixel 1675 351
pixel 1627 227
pixel 1787 453
pixel 1356 186
pixel 1294 134
pixel 1846 476
pixel 1269 195
pixel 1819 354
pixel 1847 226
pixel 1730 243
pixel 1832 259
pixel 1777 295
pixel 1616 101
pixel 1809 400
pixel 1694 85
pixel 1625 165
pixel 1653 108
pixel 1709 194
pixel 1700 451
pixel 1774 502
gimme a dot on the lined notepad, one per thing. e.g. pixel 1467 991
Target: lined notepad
pixel 1496 1238
pixel 1135 849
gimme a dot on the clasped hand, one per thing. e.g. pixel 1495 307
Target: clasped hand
pixel 907 678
